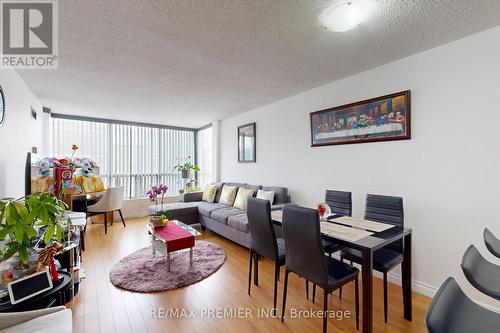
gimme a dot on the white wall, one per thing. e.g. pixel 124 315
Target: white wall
pixel 18 134
pixel 447 173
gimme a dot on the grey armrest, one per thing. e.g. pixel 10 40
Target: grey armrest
pixel 16 318
pixel 191 196
pixel 277 207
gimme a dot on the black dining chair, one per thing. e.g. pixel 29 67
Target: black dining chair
pixel 451 311
pixel 481 273
pixel 305 256
pixel 385 209
pixel 492 243
pixel 263 241
pixel 340 203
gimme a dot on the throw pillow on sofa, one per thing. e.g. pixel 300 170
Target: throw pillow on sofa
pixel 242 198
pixel 209 193
pixel 265 195
pixel 228 194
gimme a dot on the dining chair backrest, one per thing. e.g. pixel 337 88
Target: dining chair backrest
pixel 482 274
pixel 340 202
pixel 492 243
pixel 305 254
pixel 262 236
pixel 111 201
pixel 452 311
pixel 386 209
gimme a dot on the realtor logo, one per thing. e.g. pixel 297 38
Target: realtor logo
pixel 29 34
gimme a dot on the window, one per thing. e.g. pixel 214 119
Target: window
pixel 204 156
pixel 133 156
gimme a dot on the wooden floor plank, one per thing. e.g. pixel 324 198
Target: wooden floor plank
pixel 101 307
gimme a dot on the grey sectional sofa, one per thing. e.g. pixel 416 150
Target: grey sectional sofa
pixel 227 221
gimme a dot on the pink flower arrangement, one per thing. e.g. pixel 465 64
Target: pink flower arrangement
pixel 157 192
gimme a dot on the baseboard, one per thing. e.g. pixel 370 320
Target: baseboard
pixel 418 286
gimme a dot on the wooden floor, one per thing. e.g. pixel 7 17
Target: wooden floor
pixel 100 307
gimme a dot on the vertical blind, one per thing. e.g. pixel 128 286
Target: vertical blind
pixel 133 156
pixel 204 155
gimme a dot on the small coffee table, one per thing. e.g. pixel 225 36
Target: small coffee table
pixel 173 237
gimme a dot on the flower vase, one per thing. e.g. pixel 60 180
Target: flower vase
pixel 185 174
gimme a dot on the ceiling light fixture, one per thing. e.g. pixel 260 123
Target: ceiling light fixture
pixel 344 15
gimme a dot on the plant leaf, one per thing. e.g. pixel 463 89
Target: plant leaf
pixel 49 233
pixel 11 250
pixel 19 234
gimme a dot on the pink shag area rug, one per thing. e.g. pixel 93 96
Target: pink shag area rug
pixel 144 272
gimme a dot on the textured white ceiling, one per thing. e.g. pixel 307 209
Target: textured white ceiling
pixel 187 62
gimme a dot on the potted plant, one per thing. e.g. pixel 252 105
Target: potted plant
pixel 185 166
pixel 19 221
pixel 157 194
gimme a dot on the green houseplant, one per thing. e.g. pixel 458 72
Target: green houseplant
pixel 185 166
pixel 19 219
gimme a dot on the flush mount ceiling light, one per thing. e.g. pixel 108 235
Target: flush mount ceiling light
pixel 345 15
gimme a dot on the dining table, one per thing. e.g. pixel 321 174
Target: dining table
pixel 367 237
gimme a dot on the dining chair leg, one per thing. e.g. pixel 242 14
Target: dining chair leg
pixel 314 292
pixel 325 309
pixel 356 301
pixel 307 289
pixel 105 223
pixel 340 289
pixel 121 216
pixel 385 297
pixel 250 272
pixel 276 274
pixel 284 297
pixel 256 269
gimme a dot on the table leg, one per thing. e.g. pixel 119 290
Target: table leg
pixel 406 275
pixel 190 256
pixel 367 277
pixel 168 262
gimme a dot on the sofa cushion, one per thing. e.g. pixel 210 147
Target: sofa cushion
pixel 235 184
pixel 252 187
pixel 265 195
pixel 242 198
pixel 219 190
pixel 280 193
pixel 239 221
pixel 221 215
pixel 206 208
pixel 228 194
pixel 177 209
pixel 209 193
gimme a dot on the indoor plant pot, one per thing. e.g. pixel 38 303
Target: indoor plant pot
pixel 156 220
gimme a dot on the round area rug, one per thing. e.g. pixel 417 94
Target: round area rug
pixel 144 272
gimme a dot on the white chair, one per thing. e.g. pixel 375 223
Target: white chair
pixel 110 202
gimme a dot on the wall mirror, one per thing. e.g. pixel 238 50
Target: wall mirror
pixel 246 143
